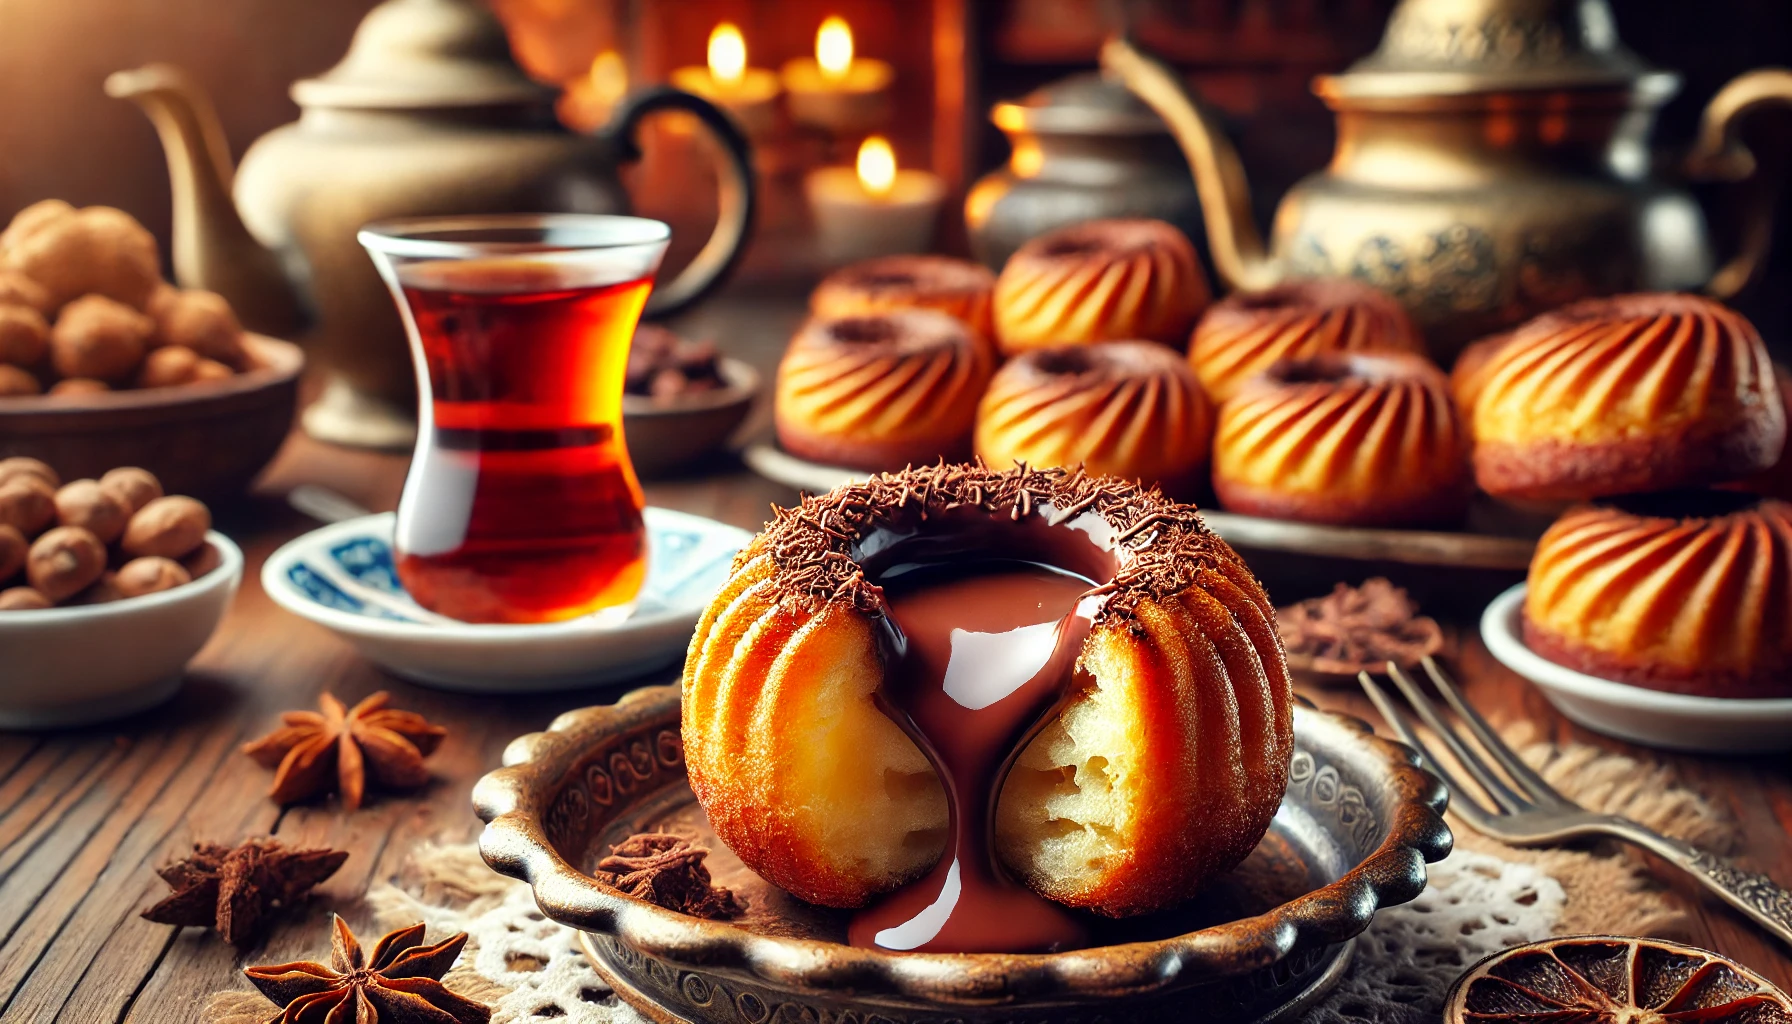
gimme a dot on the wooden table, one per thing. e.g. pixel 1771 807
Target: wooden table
pixel 86 815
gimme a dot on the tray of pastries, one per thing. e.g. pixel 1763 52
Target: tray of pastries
pixel 1306 419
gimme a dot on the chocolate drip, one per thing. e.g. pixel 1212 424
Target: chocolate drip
pixel 981 658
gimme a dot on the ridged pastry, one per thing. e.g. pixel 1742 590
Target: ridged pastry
pixel 1246 333
pixel 1776 480
pixel 1130 409
pixel 1363 440
pixel 1163 770
pixel 881 391
pixel 956 287
pixel 1623 395
pixel 1101 280
pixel 1687 599
pixel 1470 373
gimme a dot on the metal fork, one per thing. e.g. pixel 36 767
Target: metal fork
pixel 1527 811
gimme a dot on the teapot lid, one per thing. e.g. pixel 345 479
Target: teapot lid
pixel 1085 104
pixel 415 54
pixel 1452 47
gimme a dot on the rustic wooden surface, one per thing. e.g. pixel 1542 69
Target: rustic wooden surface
pixel 86 815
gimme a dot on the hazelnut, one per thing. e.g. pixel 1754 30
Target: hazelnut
pixel 210 370
pixel 170 527
pixel 20 465
pixel 94 251
pixel 64 562
pixel 141 576
pixel 132 486
pixel 98 337
pixel 23 599
pixel 83 503
pixel 17 383
pixel 71 387
pixel 104 591
pixel 204 559
pixel 13 546
pixel 200 320
pixel 31 218
pixel 27 504
pixel 24 334
pixel 18 290
pixel 168 367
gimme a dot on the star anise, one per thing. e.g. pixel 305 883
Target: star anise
pixel 668 871
pixel 400 983
pixel 1357 628
pixel 235 889
pixel 342 750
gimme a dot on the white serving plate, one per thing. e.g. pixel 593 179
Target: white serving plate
pixel 1675 721
pixel 82 664
pixel 341 577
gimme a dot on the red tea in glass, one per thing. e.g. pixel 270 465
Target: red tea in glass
pixel 520 505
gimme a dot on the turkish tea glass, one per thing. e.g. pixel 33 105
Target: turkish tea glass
pixel 520 504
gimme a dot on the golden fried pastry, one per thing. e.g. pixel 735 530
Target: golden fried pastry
pixel 1130 409
pixel 1248 332
pixel 1623 395
pixel 955 287
pixel 1689 592
pixel 18 290
pixel 881 391
pixel 1364 440
pixel 1162 769
pixel 1101 280
pixel 198 320
pixel 1776 480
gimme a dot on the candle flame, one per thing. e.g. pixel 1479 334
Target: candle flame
pixel 877 166
pixel 727 54
pixel 608 78
pixel 833 47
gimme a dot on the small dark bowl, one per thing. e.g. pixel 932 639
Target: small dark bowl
pixel 1358 825
pixel 666 436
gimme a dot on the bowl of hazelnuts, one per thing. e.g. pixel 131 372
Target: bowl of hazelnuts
pixel 103 363
pixel 108 587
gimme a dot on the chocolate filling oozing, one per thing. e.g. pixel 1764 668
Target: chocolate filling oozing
pixel 985 620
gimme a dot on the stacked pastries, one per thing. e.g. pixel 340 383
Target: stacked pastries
pixel 1633 407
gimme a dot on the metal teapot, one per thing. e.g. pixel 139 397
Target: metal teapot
pixel 1492 162
pixel 428 113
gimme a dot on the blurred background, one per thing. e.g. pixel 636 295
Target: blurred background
pixel 1250 59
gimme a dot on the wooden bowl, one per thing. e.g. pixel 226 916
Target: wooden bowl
pixel 205 440
pixel 665 436
pixel 1358 823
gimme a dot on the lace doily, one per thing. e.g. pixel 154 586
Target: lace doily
pixel 1483 898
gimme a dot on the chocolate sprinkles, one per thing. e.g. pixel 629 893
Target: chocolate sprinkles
pixel 1162 546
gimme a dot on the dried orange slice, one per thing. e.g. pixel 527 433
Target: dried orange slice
pixel 1610 979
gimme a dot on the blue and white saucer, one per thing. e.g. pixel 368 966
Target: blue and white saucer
pixel 341 577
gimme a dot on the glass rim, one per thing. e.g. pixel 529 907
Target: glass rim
pixel 408 236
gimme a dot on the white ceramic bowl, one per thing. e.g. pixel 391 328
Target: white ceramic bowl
pixel 73 666
pixel 341 577
pixel 1676 721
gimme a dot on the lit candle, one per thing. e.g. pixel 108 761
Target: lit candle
pixel 749 93
pixel 873 208
pixel 838 91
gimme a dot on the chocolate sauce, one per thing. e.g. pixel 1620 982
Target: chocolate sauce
pixel 982 656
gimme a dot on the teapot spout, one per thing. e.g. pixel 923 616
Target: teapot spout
pixel 1238 253
pixel 213 249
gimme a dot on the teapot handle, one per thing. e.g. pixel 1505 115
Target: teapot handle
pixel 1720 155
pixel 738 191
